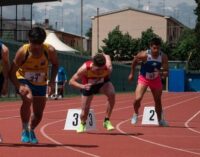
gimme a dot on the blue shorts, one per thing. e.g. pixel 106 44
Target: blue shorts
pixel 36 90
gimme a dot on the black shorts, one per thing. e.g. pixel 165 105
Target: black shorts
pixel 94 89
pixel 1 81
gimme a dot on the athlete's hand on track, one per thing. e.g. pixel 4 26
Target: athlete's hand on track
pixel 87 86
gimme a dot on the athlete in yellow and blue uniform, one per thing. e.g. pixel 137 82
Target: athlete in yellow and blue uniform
pixel 33 70
pixel 29 75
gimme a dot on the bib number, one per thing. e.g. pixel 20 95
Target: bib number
pixel 35 76
pixel 96 81
pixel 152 75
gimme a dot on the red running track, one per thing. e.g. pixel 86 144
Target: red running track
pixel 181 139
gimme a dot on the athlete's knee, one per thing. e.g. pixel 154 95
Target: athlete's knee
pixel 138 99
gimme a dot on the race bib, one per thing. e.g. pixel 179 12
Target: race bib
pixel 96 81
pixel 35 76
pixel 152 75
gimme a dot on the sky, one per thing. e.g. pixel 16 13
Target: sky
pixel 66 14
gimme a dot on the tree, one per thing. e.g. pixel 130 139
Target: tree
pixel 145 39
pixel 185 45
pixel 119 46
pixel 123 47
pixel 195 56
pixel 89 33
pixel 143 42
pixel 197 27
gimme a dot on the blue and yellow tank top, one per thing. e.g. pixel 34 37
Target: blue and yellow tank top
pixel 33 69
pixel 150 69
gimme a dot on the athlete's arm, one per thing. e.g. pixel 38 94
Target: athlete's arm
pixel 6 68
pixel 164 71
pixel 17 61
pixel 108 62
pixel 54 69
pixel 140 57
pixel 77 76
pixel 54 61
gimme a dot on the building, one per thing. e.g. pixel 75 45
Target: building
pixel 134 22
pixel 16 26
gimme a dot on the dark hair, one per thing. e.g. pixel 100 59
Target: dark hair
pixel 155 41
pixel 99 60
pixel 37 35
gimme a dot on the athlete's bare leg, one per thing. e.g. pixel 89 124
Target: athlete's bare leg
pixel 85 104
pixel 139 93
pixel 108 90
pixel 39 103
pixel 157 93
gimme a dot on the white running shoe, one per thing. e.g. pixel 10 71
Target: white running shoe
pixel 134 119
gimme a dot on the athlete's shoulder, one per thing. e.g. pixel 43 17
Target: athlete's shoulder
pixel 48 47
pixel 164 57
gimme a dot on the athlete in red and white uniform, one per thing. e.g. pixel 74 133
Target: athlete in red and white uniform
pixel 95 77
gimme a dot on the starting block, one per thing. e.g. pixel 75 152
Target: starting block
pixel 149 116
pixel 73 120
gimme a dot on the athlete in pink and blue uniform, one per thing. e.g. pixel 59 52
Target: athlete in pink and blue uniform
pixel 154 67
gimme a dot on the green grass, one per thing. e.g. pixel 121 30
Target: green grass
pixel 9 99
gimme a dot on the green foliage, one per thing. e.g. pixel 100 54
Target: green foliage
pixel 195 55
pixel 89 33
pixel 146 38
pixel 185 45
pixel 119 46
pixel 123 47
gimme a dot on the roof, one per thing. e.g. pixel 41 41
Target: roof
pixel 141 11
pixel 53 40
pixel 16 2
pixel 68 33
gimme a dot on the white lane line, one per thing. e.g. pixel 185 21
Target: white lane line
pixel 189 120
pixel 155 143
pixel 59 143
pixel 42 129
pixel 65 110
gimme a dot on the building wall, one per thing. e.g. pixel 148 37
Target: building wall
pixel 173 31
pixel 130 21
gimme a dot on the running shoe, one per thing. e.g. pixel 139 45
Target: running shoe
pixel 81 128
pixel 25 136
pixel 107 124
pixel 163 123
pixel 32 137
pixel 1 139
pixel 134 119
